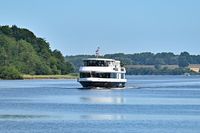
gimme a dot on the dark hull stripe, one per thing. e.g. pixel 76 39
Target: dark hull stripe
pixel 88 84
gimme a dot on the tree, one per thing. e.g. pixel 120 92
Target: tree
pixel 184 59
pixel 9 72
pixel 3 56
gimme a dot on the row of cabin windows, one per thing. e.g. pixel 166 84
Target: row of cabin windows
pixel 101 75
pixel 96 63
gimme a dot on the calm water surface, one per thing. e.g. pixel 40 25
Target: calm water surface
pixel 149 104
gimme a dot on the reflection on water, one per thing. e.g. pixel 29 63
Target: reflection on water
pixel 96 116
pixel 102 117
pixel 105 100
pixel 18 116
pixel 137 117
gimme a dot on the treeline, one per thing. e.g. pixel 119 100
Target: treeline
pixel 77 60
pixel 22 52
pixel 158 71
pixel 164 58
pixel 147 58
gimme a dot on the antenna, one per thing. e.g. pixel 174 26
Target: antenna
pixel 97 52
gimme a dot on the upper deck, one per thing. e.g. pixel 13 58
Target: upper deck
pixel 101 62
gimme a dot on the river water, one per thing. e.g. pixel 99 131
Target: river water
pixel 148 104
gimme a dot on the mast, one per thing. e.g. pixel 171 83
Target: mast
pixel 97 52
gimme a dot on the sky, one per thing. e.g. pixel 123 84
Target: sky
pixel 116 26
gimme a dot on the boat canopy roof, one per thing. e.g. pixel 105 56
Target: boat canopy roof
pixel 99 59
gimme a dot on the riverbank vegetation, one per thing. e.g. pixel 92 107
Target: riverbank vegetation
pixel 147 63
pixel 67 76
pixel 158 71
pixel 21 52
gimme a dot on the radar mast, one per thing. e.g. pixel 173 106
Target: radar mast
pixel 97 52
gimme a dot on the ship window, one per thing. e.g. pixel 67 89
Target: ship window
pixel 85 75
pixel 98 75
pixel 113 75
pixel 100 63
pixel 101 75
pixel 122 76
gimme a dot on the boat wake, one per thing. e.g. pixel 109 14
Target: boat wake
pixel 115 88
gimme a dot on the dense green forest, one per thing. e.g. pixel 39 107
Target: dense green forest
pixel 147 58
pixel 21 52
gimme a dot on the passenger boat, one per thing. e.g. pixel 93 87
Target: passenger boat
pixel 101 72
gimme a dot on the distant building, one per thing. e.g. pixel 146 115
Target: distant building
pixel 194 67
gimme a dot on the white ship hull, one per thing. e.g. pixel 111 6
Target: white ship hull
pixel 99 82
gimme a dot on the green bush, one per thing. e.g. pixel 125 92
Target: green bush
pixel 9 72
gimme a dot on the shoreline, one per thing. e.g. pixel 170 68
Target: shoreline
pixel 75 76
pixel 68 76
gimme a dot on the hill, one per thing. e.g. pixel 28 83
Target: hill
pixel 24 53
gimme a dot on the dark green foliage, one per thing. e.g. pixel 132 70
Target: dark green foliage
pixel 9 72
pixel 153 71
pixel 157 66
pixel 146 58
pixel 28 54
pixel 184 59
